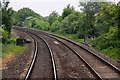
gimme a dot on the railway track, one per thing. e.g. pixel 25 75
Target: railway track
pixel 42 65
pixel 97 65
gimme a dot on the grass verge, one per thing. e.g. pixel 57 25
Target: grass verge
pixel 112 52
pixel 73 37
pixel 11 49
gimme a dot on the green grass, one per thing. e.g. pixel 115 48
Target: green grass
pixel 11 49
pixel 112 52
pixel 8 46
pixel 73 37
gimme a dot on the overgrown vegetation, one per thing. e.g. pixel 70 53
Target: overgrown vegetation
pixel 108 43
pixel 97 21
pixel 9 45
pixel 8 42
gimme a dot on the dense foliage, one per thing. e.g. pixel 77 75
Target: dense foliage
pixel 108 43
pixel 7 15
pixel 96 22
pixel 7 22
pixel 23 14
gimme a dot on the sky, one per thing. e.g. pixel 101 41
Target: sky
pixel 45 7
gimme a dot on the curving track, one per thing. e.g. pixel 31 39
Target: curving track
pixel 42 65
pixel 100 68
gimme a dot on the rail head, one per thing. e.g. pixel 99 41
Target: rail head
pixel 33 60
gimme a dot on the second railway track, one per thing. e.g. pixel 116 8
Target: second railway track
pixel 103 69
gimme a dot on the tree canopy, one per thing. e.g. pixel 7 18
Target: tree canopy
pixel 7 19
pixel 23 14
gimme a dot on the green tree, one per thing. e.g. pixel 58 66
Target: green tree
pixel 107 16
pixel 67 11
pixel 23 14
pixel 55 26
pixel 70 25
pixel 53 17
pixel 108 43
pixel 90 9
pixel 7 17
pixel 0 14
pixel 118 21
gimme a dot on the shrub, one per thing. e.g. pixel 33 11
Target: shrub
pixel 4 36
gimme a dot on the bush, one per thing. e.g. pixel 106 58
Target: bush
pixel 55 26
pixel 12 41
pixel 106 40
pixel 4 36
pixel 112 52
pixel 108 43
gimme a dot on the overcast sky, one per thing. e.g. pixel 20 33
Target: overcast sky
pixel 45 7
